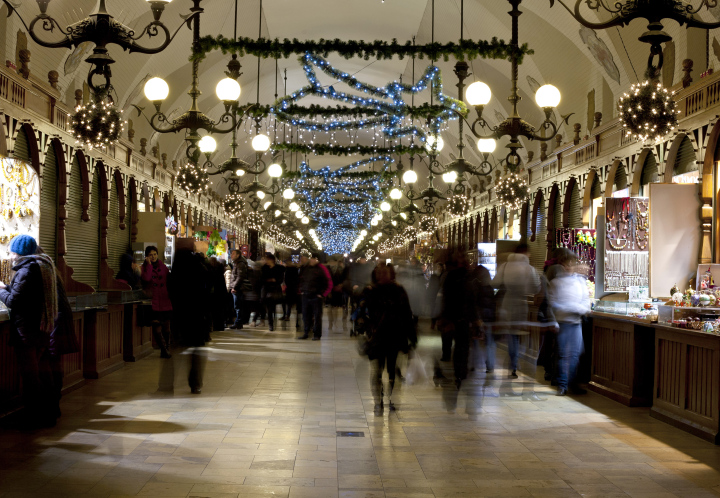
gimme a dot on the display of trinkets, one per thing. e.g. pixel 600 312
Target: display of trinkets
pixel 582 242
pixel 625 269
pixel 627 224
pixel 19 203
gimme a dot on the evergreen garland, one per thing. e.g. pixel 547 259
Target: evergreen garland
pixel 336 150
pixel 423 111
pixel 378 49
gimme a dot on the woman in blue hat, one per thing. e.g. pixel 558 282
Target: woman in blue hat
pixel 32 300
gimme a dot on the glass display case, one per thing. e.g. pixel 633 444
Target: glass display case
pixel 487 257
pixel 646 311
pixel 689 317
pixel 89 301
pixel 129 296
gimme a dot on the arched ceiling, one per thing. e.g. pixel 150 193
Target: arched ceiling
pixel 574 59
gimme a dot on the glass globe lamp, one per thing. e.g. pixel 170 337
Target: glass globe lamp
pixel 228 90
pixel 547 96
pixel 156 89
pixel 261 143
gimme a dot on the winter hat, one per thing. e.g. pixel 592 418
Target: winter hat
pixel 23 245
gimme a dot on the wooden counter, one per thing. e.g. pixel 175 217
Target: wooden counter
pixel 103 341
pixel 622 359
pixel 137 338
pixel 9 375
pixel 73 363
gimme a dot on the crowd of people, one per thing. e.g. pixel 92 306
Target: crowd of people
pixel 381 302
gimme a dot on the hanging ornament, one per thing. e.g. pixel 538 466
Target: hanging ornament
pixel 193 179
pixel 254 221
pixel 458 205
pixel 273 232
pixel 233 204
pixel 648 111
pixel 511 191
pixel 428 224
pixel 410 233
pixel 97 123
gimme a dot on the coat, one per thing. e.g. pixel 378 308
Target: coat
pixel 272 290
pixel 189 294
pixel 24 297
pixel 315 280
pixel 239 274
pixel 392 328
pixel 155 278
pixel 519 281
pixel 569 298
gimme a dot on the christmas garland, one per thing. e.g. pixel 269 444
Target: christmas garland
pixel 420 112
pixel 379 49
pixel 364 150
pixel 98 123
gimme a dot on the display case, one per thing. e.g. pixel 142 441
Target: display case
pixel 647 311
pixel 690 317
pixel 487 257
pixel 122 297
pixel 84 302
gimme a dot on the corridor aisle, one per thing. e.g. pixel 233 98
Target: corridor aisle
pixel 267 424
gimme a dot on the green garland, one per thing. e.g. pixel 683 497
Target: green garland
pixel 324 149
pixel 424 111
pixel 378 49
pixel 355 175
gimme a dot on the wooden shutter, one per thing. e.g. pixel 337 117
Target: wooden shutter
pixel 82 238
pixel 575 214
pixel 49 204
pixel 538 249
pixel 22 147
pixel 685 161
pixel 118 240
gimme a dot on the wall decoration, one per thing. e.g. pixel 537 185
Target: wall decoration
pixel 581 241
pixel 77 56
pixel 601 53
pixel 648 111
pixel 19 202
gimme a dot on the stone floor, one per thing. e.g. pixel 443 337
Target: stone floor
pixel 267 422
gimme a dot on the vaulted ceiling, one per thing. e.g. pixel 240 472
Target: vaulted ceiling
pixel 590 68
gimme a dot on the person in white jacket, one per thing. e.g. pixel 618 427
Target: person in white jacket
pixel 569 298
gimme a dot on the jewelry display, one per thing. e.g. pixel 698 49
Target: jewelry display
pixel 582 242
pixel 19 206
pixel 626 243
pixel 624 269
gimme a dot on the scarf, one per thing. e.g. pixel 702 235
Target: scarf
pixel 49 280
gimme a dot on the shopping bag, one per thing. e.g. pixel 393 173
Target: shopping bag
pixel 415 373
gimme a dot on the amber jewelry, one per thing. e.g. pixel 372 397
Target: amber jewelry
pixel 618 247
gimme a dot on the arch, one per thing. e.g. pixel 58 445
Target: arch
pixel 524 221
pixel 673 153
pixel 552 206
pixel 535 212
pixel 133 199
pixel 478 229
pixel 33 148
pixel 637 174
pixel 119 184
pixel 486 227
pixel 569 189
pixel 493 224
pixel 590 179
pixel 85 182
pixel 610 178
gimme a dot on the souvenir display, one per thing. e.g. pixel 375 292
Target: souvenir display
pixel 582 242
pixel 627 236
pixel 19 206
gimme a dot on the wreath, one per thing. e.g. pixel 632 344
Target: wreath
pixel 233 204
pixel 648 111
pixel 193 179
pixel 410 233
pixel 254 221
pixel 458 205
pixel 97 123
pixel 512 191
pixel 428 224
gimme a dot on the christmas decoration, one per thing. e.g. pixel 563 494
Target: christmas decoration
pixel 254 221
pixel 410 233
pixel 428 224
pixel 171 226
pixel 97 124
pixel 458 205
pixel 233 204
pixel 193 179
pixel 378 49
pixel 648 111
pixel 511 191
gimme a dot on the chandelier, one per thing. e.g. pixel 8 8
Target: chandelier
pixel 102 29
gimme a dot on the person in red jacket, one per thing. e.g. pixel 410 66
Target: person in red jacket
pixel 155 276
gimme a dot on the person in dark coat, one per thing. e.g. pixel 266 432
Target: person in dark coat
pixel 218 303
pixel 272 276
pixel 315 285
pixel 189 296
pixel 62 341
pixel 238 283
pixel 206 282
pixel 392 329
pixel 292 298
pixel 129 272
pixel 155 277
pixel 32 299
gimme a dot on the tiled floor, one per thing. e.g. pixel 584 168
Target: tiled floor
pixel 266 425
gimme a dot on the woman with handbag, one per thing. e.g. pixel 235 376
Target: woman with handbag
pixel 271 293
pixel 391 329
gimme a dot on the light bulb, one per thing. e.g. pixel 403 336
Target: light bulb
pixel 260 194
pixel 156 89
pixel 478 93
pixel 288 193
pixel 393 223
pixel 277 212
pixel 409 176
pixel 239 172
pixel 374 223
pixel 298 214
pixel 207 144
pixel 260 143
pixel 486 145
pixel 274 170
pixel 293 206
pixel 305 220
pixel 363 232
pixel 430 143
pixel 395 194
pixel 449 177
pixel 547 96
pixel 265 206
pixel 284 222
pixel 385 206
pixel 228 90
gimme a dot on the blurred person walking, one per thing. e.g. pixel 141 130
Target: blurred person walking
pixel 238 279
pixel 292 296
pixel 315 285
pixel 568 296
pixel 457 313
pixel 271 284
pixel 391 330
pixel 219 294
